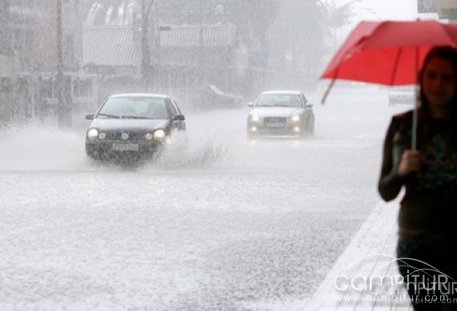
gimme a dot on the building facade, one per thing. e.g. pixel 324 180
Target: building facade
pixel 19 20
pixel 187 51
pixel 446 9
pixel 199 51
pixel 28 59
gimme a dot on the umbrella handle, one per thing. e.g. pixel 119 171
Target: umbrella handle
pixel 329 88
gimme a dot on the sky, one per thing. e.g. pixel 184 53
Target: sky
pixel 379 10
pixel 390 9
pixel 384 10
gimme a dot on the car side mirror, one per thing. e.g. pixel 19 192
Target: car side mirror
pixel 250 104
pixel 179 117
pixel 308 105
pixel 90 116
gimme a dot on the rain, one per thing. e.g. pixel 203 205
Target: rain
pixel 222 222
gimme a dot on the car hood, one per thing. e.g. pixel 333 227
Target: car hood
pixel 128 124
pixel 276 111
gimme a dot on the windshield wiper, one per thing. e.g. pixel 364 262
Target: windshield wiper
pixel 108 116
pixel 134 117
pixel 284 105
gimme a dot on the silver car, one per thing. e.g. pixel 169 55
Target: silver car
pixel 280 113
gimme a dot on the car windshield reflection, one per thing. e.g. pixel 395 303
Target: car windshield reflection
pixel 280 100
pixel 134 108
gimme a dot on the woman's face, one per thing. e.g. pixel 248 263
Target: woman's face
pixel 439 82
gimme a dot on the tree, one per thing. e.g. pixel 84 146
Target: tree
pixel 254 17
pixel 5 47
pixel 296 42
pixel 338 16
pixel 64 109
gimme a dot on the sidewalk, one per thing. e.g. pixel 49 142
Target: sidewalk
pixel 355 281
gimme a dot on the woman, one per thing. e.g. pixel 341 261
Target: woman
pixel 428 209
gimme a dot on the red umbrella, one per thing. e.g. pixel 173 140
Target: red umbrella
pixel 388 52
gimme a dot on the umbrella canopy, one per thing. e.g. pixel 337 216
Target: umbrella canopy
pixel 388 52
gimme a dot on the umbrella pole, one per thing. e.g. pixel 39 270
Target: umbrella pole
pixel 324 98
pixel 416 105
pixel 414 130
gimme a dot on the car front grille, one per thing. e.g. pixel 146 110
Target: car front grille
pixel 275 120
pixel 131 135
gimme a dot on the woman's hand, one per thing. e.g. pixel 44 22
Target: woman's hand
pixel 410 162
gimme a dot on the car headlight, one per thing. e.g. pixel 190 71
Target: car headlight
pixel 92 133
pixel 159 134
pixel 102 135
pixel 295 118
pixel 255 118
pixel 149 136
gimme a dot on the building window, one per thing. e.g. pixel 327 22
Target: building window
pixel 47 88
pixel 69 49
pixel 82 87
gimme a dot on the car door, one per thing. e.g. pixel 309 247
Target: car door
pixel 308 108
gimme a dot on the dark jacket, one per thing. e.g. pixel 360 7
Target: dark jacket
pixel 428 208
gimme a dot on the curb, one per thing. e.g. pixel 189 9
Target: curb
pixel 370 252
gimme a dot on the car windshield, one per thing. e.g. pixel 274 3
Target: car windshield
pixel 134 108
pixel 279 100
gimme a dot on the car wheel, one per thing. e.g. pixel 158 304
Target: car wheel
pixel 251 136
pixel 93 155
pixel 179 142
pixel 311 130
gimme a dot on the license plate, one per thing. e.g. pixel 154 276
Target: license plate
pixel 275 124
pixel 125 147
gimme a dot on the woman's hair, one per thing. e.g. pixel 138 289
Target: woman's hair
pixel 447 53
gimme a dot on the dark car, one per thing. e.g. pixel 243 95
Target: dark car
pixel 218 99
pixel 133 126
pixel 281 113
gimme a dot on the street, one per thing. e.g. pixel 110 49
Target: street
pixel 229 224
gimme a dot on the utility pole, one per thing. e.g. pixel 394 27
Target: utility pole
pixel 6 107
pixel 159 83
pixel 145 52
pixel 201 41
pixel 64 112
pixel 5 41
pixel 201 71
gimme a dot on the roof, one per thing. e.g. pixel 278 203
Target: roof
pixel 110 46
pixel 118 45
pixel 206 35
pixel 140 95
